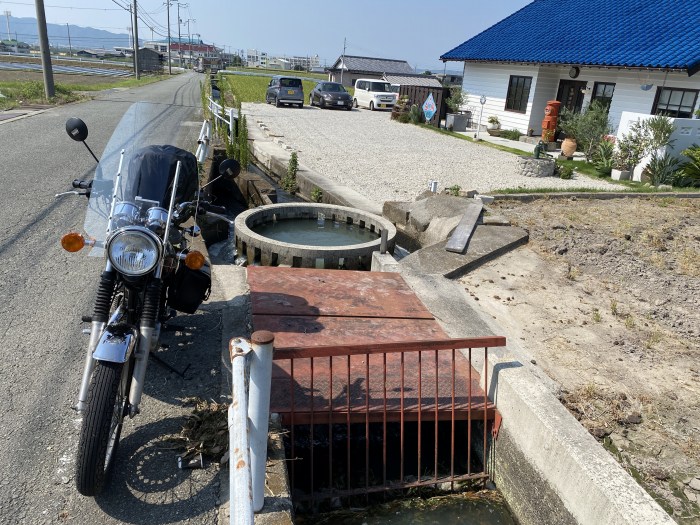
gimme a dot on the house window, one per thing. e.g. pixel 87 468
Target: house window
pixel 518 93
pixel 603 91
pixel 675 102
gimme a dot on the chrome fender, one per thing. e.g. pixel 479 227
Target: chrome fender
pixel 116 347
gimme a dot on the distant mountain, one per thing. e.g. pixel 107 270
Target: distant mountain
pixel 80 37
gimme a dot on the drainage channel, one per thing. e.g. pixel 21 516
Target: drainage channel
pixel 375 445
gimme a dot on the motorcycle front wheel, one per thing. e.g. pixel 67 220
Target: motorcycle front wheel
pixel 102 425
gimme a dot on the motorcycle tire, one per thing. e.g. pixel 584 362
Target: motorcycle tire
pixel 102 425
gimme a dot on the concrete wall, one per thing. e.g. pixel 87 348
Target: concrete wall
pixel 548 467
pixel 687 133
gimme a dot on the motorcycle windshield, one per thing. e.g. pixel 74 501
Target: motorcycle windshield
pixel 147 172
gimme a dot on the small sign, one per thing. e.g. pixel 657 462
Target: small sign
pixel 429 107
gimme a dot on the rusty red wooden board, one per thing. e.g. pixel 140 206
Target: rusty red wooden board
pixel 303 291
pixel 293 331
pixel 307 308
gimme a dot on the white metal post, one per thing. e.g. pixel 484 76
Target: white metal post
pixel 259 411
pixel 240 495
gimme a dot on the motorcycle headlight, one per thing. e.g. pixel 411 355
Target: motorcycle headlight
pixel 134 250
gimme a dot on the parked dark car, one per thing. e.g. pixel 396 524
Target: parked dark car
pixel 330 95
pixel 285 90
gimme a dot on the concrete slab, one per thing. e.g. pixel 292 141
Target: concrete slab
pixel 487 243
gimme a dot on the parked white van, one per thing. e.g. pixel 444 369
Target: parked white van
pixel 374 94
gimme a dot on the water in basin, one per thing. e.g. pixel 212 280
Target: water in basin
pixel 315 232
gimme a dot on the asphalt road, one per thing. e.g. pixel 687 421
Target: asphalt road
pixel 43 293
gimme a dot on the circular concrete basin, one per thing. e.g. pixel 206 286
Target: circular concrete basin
pixel 354 253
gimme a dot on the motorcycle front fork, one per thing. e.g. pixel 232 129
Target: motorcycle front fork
pixel 148 338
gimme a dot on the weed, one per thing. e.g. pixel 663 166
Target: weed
pixel 689 262
pixel 613 307
pixel 596 315
pixel 653 340
pixel 454 190
pixel 289 181
pixel 629 322
pixel 572 273
pixel 317 195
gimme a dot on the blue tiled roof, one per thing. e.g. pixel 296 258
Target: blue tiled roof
pixel 622 33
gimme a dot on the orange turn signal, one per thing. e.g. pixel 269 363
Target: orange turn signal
pixel 72 242
pixel 194 260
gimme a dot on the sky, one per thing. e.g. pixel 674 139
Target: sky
pixel 418 32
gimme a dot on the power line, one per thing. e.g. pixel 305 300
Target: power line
pixel 64 7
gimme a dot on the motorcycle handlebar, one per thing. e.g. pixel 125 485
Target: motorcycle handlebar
pixel 209 207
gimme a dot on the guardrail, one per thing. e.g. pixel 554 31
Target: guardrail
pixel 218 111
pixel 203 142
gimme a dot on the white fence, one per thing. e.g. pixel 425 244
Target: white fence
pixel 218 112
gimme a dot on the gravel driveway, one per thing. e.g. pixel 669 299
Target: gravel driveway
pixel 386 160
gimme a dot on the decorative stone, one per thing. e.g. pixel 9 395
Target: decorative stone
pixel 695 484
pixel 532 167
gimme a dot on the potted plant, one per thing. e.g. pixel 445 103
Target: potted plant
pixel 493 123
pixel 456 120
pixel 568 124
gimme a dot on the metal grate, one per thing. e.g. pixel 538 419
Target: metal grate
pixel 375 418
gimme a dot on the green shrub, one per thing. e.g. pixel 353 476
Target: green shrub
pixel 317 195
pixel 661 169
pixel 689 172
pixel 587 128
pixel 416 114
pixel 454 190
pixel 511 134
pixel 31 91
pixel 289 181
pixel 243 153
pixel 456 99
pixel 603 157
pixel 565 172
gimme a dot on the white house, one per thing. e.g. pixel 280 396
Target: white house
pixel 639 56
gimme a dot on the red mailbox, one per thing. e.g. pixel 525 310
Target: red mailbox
pixel 549 124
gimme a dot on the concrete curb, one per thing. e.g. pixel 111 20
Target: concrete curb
pixel 529 197
pixel 548 467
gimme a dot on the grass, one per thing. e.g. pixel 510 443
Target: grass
pixel 17 92
pixel 272 72
pixel 253 88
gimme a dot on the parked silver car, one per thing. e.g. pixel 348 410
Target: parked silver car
pixel 285 90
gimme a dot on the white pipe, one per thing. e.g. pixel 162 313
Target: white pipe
pixel 259 411
pixel 240 491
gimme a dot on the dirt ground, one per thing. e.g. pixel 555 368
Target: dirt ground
pixel 605 298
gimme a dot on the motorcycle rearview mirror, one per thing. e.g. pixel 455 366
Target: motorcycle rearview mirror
pixel 78 131
pixel 229 169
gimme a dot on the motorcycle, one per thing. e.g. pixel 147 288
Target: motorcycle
pixel 139 200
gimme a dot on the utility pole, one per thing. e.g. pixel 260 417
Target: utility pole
pixel 136 42
pixel 7 17
pixel 170 66
pixel 179 36
pixel 45 51
pixel 342 60
pixel 189 38
pixel 70 47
